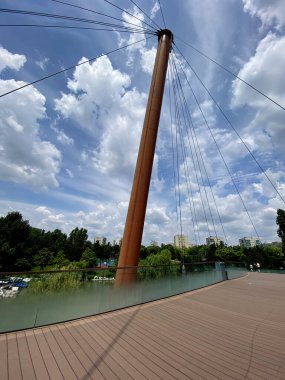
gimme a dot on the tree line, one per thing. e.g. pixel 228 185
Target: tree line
pixel 23 247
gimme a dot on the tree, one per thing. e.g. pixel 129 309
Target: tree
pixel 280 221
pixel 76 243
pixel 60 260
pixel 98 250
pixel 88 256
pixel 14 234
pixel 43 258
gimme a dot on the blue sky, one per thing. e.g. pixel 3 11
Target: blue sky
pixel 68 144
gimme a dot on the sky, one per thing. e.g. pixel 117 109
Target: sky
pixel 68 144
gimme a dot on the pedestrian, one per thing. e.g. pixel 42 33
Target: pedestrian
pixel 251 267
pixel 258 267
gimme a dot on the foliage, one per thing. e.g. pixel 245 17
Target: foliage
pixel 48 283
pixel 43 258
pixel 157 265
pixel 23 247
pixel 60 260
pixel 76 243
pixel 89 258
pixel 14 234
pixel 280 220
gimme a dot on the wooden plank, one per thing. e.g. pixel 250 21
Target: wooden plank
pixel 132 361
pixel 4 357
pixel 80 353
pixel 71 357
pixel 151 359
pixel 28 371
pixel 102 342
pixel 50 362
pixel 235 330
pixel 101 355
pixel 62 361
pixel 180 351
pixel 14 367
pixel 36 356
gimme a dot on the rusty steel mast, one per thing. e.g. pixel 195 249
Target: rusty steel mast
pixel 131 243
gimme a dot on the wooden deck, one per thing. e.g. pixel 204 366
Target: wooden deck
pixel 233 330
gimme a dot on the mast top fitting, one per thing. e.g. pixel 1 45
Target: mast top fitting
pixel 163 32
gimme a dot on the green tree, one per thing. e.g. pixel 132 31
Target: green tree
pixel 98 250
pixel 280 221
pixel 14 234
pixel 88 256
pixel 159 264
pixel 43 258
pixel 76 243
pixel 60 260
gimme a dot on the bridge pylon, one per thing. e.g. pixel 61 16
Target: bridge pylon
pixel 131 243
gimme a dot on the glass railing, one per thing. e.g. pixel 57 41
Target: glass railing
pixel 40 298
pixel 278 271
pixel 235 270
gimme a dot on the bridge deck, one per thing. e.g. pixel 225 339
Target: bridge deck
pixel 234 330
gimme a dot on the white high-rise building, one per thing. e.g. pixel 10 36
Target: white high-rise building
pixel 181 241
pixel 102 240
pixel 214 240
pixel 249 242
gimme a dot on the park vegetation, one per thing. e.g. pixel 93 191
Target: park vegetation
pixel 25 248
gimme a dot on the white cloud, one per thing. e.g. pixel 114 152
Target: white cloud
pixel 24 157
pixel 64 139
pixel 154 10
pixel 10 60
pixel 269 12
pixel 264 70
pixel 147 59
pixel 42 63
pixel 94 89
pixel 99 100
pixel 69 173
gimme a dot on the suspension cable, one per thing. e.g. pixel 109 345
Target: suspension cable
pixel 192 156
pixel 73 27
pixel 145 14
pixel 226 165
pixel 198 146
pixel 198 167
pixel 123 10
pixel 99 13
pixel 72 67
pixel 230 72
pixel 231 125
pixel 163 19
pixel 189 186
pixel 76 19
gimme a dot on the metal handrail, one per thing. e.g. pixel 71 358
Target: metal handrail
pixel 100 268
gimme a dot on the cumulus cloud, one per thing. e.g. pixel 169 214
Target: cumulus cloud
pixel 138 52
pixel 24 156
pixel 147 59
pixel 94 89
pixel 10 60
pixel 269 12
pixel 264 70
pixel 100 99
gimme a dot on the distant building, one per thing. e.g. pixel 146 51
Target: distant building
pixel 102 240
pixel 117 242
pixel 154 243
pixel 214 240
pixel 181 241
pixel 249 242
